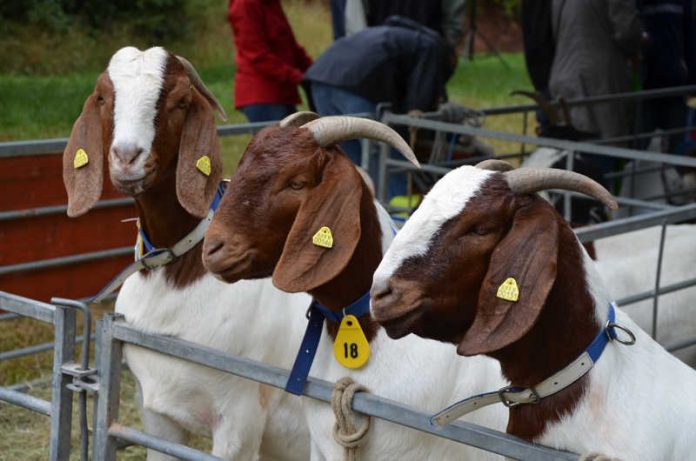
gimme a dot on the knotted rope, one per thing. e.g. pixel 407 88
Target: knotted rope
pixel 596 457
pixel 344 432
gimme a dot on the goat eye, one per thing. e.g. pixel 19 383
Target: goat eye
pixel 480 230
pixel 296 185
pixel 100 100
pixel 182 104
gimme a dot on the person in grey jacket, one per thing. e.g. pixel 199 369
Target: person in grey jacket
pixel 595 40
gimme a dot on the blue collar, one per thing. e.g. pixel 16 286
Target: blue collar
pixel 308 348
pixel 148 246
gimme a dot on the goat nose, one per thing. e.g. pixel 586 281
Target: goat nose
pixel 210 247
pixel 127 154
pixel 380 289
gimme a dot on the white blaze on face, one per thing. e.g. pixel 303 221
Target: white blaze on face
pixel 446 200
pixel 137 77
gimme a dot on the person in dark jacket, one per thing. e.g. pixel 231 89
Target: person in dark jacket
pixel 401 62
pixel 270 62
pixel 669 59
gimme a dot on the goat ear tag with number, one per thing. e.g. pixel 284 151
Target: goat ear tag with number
pixel 508 290
pixel 323 238
pixel 351 348
pixel 203 165
pixel 81 159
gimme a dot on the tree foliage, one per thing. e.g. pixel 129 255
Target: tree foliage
pixel 155 20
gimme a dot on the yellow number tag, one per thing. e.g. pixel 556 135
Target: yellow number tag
pixel 351 348
pixel 203 165
pixel 323 238
pixel 81 159
pixel 508 290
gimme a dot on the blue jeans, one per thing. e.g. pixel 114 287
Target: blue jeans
pixel 267 112
pixel 332 100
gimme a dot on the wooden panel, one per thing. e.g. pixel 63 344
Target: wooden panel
pixel 36 181
pixel 51 236
pixel 74 281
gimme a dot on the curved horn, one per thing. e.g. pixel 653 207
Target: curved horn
pixel 337 128
pixel 530 180
pixel 495 165
pixel 298 119
pixel 200 86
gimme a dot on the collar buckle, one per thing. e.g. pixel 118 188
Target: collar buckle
pixel 157 253
pixel 535 398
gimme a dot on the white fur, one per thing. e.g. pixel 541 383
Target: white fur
pixel 421 373
pixel 137 77
pixel 455 190
pixel 637 405
pixel 249 319
pixel 628 262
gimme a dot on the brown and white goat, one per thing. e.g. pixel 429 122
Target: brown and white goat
pixel 442 277
pixel 153 117
pixel 290 183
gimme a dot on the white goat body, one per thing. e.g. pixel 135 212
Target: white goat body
pixel 628 263
pixel 236 412
pixel 635 405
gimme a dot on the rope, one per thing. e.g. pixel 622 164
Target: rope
pixel 344 432
pixel 596 457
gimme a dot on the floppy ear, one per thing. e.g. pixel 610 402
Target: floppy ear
pixel 194 188
pixel 334 203
pixel 528 254
pixel 83 181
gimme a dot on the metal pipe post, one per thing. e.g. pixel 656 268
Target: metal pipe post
pixel 109 359
pixel 61 402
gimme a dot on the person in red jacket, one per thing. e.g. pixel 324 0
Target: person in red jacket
pixel 270 62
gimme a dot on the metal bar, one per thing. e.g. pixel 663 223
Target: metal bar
pixel 585 148
pixel 662 291
pixel 10 316
pixel 86 333
pixel 57 145
pixel 110 352
pixel 30 350
pixel 131 435
pixel 660 254
pixel 366 403
pixel 609 228
pixel 61 400
pixel 27 307
pixel 637 95
pixel 65 260
pixel 681 345
pixel 59 209
pixel 25 401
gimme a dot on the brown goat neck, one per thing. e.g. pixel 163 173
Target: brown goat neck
pixel 165 222
pixel 356 278
pixel 565 327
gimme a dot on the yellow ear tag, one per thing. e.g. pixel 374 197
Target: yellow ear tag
pixel 351 348
pixel 81 159
pixel 508 290
pixel 323 238
pixel 203 165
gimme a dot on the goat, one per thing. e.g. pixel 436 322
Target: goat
pixel 152 114
pixel 489 266
pixel 626 263
pixel 291 182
